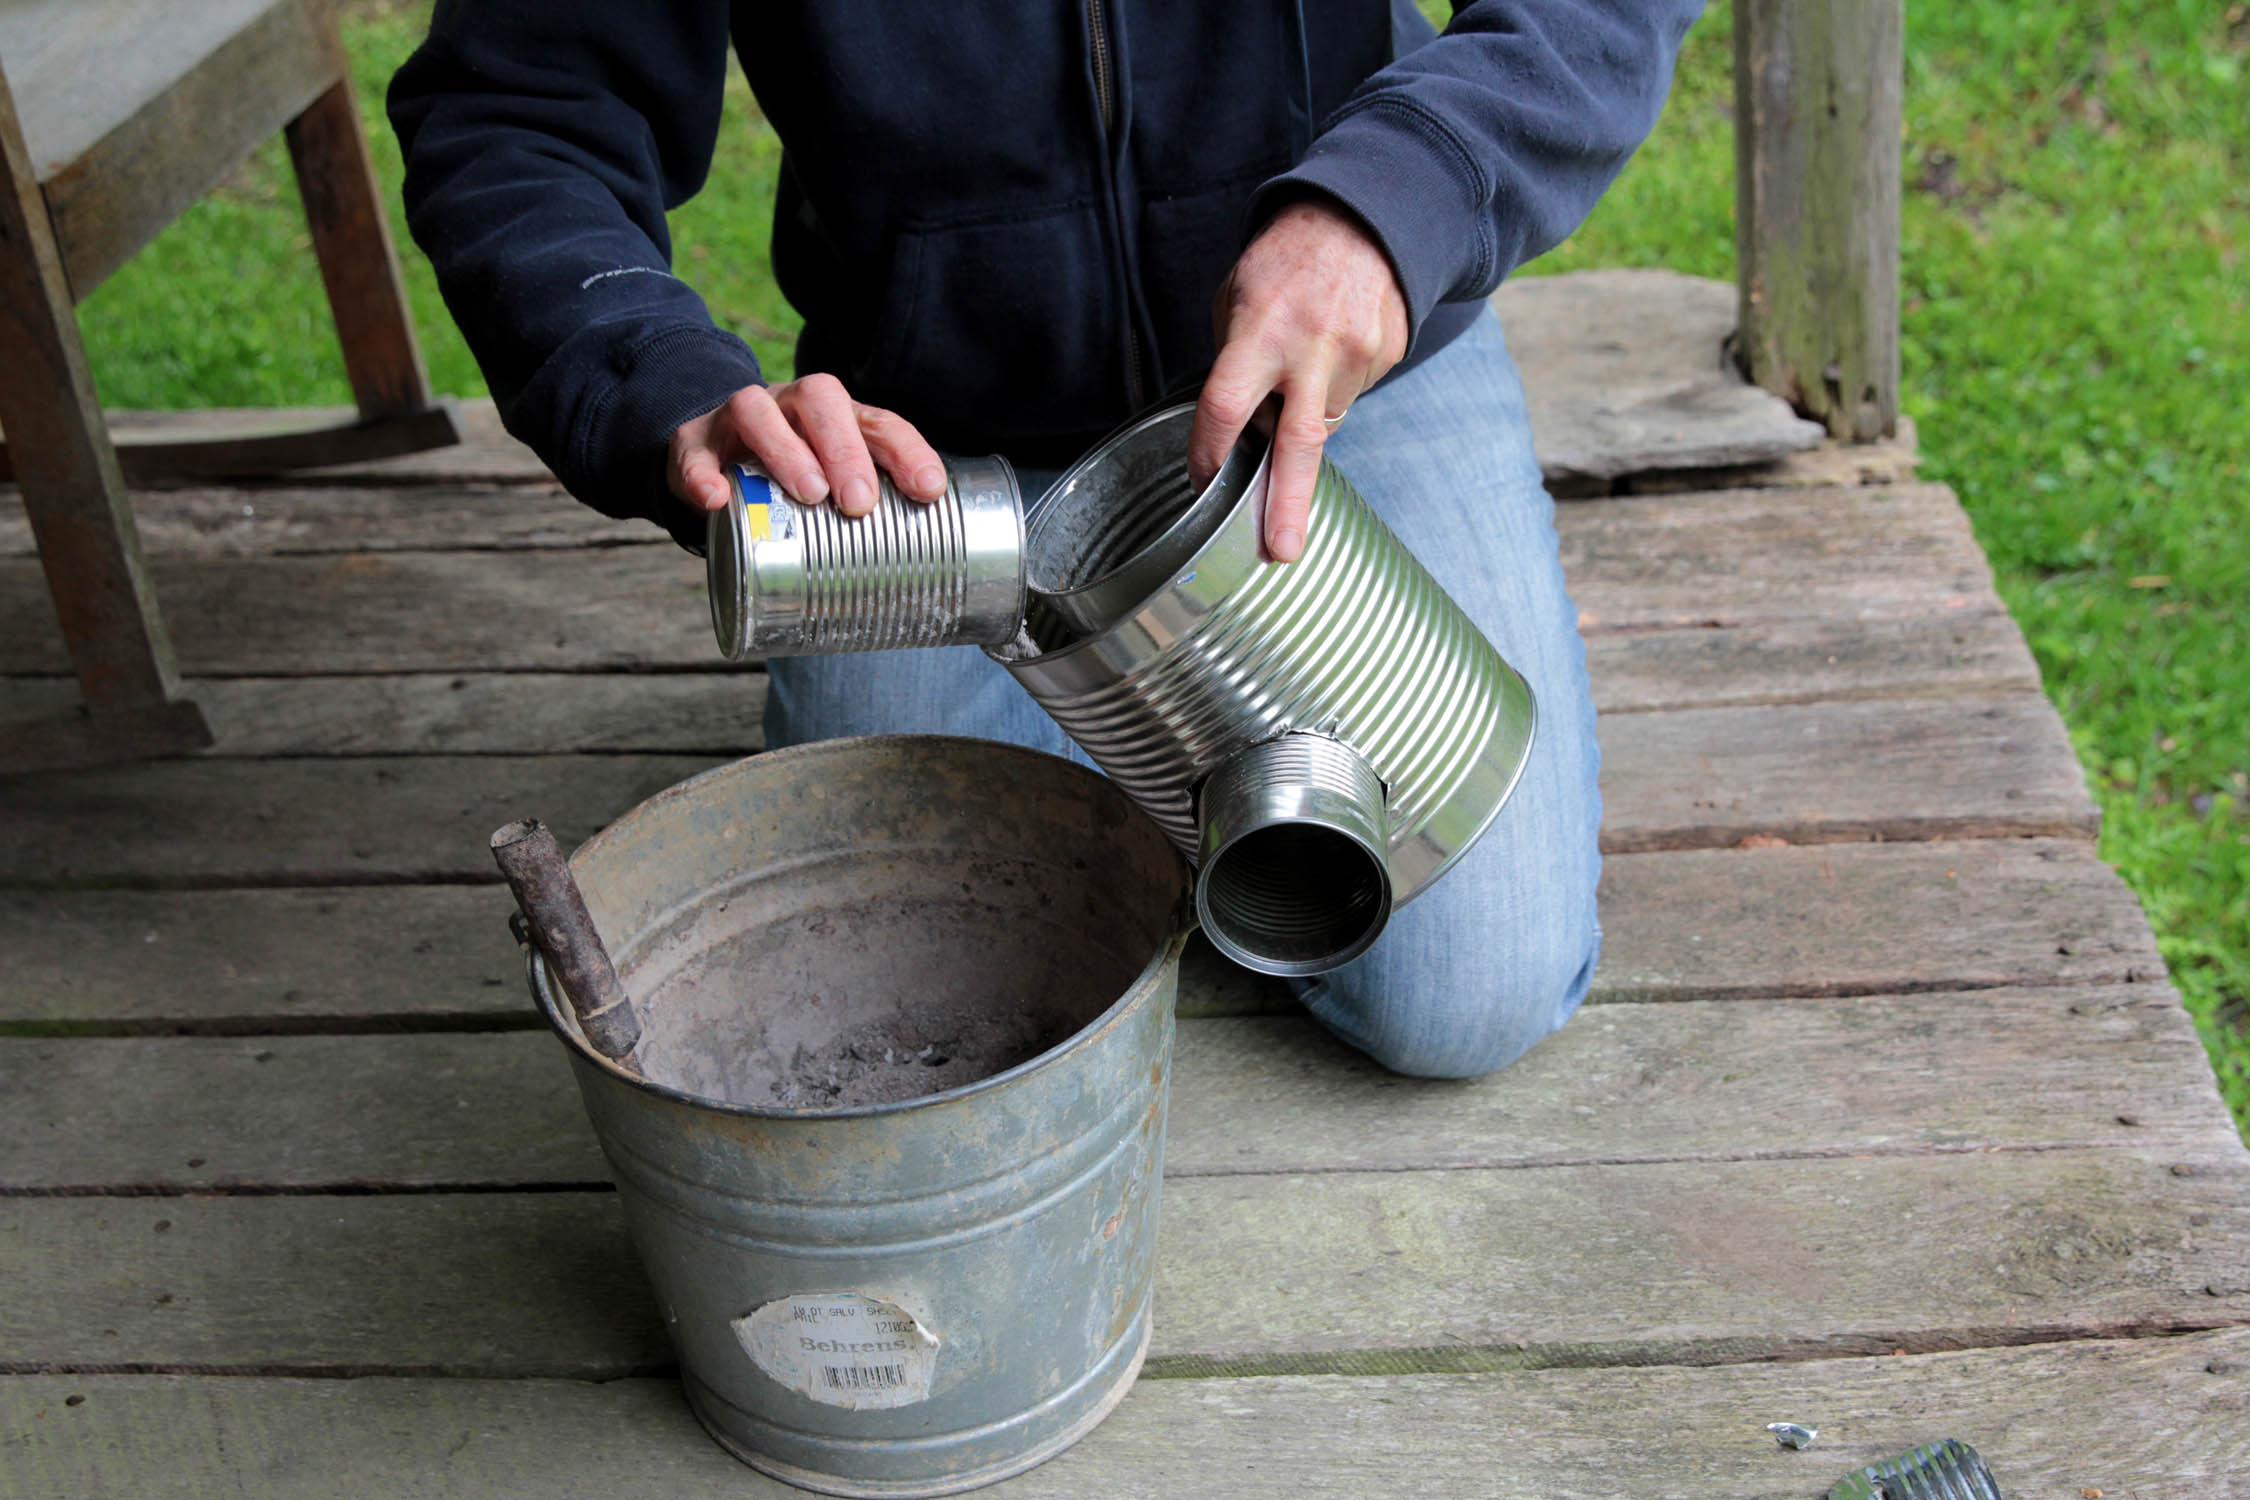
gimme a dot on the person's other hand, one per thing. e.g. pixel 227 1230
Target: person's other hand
pixel 813 438
pixel 1311 316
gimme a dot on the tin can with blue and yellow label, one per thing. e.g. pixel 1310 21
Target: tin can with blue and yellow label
pixel 789 579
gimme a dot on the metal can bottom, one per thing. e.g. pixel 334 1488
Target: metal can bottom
pixel 1071 1413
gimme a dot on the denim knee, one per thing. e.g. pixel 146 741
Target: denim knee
pixel 1445 996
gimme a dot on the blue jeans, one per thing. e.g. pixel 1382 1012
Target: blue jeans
pixel 1499 952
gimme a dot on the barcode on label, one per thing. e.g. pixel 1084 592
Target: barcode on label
pixel 849 1349
pixel 863 1377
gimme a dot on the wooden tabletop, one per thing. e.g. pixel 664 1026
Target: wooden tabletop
pixel 1883 1118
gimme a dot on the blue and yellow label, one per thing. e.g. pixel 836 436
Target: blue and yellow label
pixel 757 502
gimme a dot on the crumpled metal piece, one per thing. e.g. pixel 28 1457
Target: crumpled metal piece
pixel 1793 1436
pixel 1949 1470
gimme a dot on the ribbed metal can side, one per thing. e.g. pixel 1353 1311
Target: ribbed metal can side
pixel 891 579
pixel 789 579
pixel 1355 640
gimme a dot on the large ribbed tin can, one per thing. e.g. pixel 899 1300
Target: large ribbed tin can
pixel 1353 655
pixel 909 1298
pixel 787 579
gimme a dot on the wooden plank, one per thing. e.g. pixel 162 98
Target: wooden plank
pixel 309 822
pixel 1736 556
pixel 66 735
pixel 208 84
pixel 1818 99
pixel 1626 370
pixel 1703 1081
pixel 1734 559
pixel 618 607
pixel 351 235
pixel 77 83
pixel 2168 1428
pixel 485 454
pixel 1829 772
pixel 169 1114
pixel 281 448
pixel 1726 1262
pixel 1783 554
pixel 1988 1070
pixel 304 519
pixel 1792 548
pixel 1691 779
pixel 91 580
pixel 719 710
pixel 1890 460
pixel 1867 919
pixel 235 961
pixel 1964 653
pixel 478 713
pixel 1847 919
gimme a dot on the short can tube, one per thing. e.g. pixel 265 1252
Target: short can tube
pixel 789 579
pixel 1294 877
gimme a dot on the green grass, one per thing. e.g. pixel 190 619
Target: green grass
pixel 2077 353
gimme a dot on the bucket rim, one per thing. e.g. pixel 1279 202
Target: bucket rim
pixel 1180 926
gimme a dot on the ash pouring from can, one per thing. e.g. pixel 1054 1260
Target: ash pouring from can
pixel 959 969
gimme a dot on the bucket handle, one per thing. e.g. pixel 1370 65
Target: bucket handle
pixel 554 915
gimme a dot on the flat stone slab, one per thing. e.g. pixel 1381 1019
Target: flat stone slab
pixel 1626 371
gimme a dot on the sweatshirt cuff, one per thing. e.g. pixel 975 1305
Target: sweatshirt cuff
pixel 618 455
pixel 1415 187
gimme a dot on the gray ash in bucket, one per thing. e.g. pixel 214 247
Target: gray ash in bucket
pixel 954 970
pixel 887 1060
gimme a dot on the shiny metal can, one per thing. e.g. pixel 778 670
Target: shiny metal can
pixel 897 1298
pixel 787 579
pixel 1354 643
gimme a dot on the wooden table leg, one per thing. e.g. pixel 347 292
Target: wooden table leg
pixel 351 235
pixel 75 494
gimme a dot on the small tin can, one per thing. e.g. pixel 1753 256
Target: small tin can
pixel 788 579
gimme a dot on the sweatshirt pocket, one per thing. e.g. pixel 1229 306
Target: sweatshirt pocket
pixel 1000 328
pixel 1190 240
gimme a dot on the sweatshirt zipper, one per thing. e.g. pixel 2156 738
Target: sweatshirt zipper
pixel 1105 95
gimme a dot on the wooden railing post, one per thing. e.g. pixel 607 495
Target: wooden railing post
pixel 1817 108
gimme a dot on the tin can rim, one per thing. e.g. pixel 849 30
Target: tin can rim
pixel 1247 511
pixel 726 565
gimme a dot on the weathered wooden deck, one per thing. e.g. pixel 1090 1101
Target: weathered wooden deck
pixel 1884 1119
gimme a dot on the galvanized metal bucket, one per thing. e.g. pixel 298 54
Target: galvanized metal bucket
pixel 1279 721
pixel 912 1297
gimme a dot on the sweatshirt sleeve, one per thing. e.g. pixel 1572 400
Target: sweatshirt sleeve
pixel 1487 146
pixel 542 152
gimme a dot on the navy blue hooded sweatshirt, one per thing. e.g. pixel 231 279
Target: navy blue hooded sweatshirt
pixel 1004 220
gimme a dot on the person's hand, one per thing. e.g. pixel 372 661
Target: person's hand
pixel 813 438
pixel 1311 316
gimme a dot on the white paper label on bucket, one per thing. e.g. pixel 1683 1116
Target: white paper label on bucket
pixel 842 1349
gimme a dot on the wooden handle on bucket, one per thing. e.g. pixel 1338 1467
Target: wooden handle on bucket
pixel 555 910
